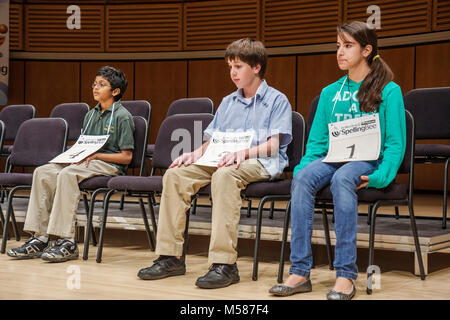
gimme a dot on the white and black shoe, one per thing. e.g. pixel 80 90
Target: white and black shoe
pixel 62 251
pixel 32 248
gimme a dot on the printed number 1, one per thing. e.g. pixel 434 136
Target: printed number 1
pixel 353 150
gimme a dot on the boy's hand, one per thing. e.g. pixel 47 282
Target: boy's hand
pixel 88 159
pixel 233 157
pixel 185 158
pixel 364 184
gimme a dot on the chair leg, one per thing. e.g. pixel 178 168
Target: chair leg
pixel 194 205
pixel 327 237
pixel 257 238
pixel 2 217
pixel 373 214
pixel 416 241
pixel 287 216
pixel 87 208
pixel 186 236
pixel 10 215
pixel 103 227
pixel 272 205
pixel 249 208
pixel 369 213
pixel 444 207
pixel 122 201
pixel 147 227
pixel 152 215
pixel 89 228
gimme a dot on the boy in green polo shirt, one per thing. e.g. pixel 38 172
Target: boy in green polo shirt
pixel 55 193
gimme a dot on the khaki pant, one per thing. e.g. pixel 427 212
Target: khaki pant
pixel 55 195
pixel 180 184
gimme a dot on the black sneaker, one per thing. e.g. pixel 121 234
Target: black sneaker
pixel 219 276
pixel 62 251
pixel 32 248
pixel 163 267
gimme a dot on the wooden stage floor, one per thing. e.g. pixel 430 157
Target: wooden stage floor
pixel 126 251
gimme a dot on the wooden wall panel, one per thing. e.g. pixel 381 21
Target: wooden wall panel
pixel 87 76
pixel 300 22
pixel 16 26
pixel 16 93
pixel 314 72
pixel 46 29
pixel 433 65
pixel 441 15
pixel 215 24
pixel 50 83
pixel 401 62
pixel 397 17
pixel 144 27
pixel 209 78
pixel 281 75
pixel 160 83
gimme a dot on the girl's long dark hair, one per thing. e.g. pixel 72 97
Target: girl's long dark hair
pixel 369 94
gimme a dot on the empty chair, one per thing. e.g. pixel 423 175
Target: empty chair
pixel 37 142
pixel 74 114
pixel 185 105
pixel 140 108
pixel 430 108
pixel 13 116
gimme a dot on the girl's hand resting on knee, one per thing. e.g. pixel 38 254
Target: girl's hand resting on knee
pixel 364 184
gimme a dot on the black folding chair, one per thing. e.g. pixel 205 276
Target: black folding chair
pixel 149 186
pixel 277 190
pixel 430 108
pixel 395 194
pixel 13 116
pixel 37 142
pixel 98 184
pixel 74 114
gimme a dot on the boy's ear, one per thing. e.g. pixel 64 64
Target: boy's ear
pixel 115 92
pixel 257 69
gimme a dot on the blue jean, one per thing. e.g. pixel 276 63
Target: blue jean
pixel 343 178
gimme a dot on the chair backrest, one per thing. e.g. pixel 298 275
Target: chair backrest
pixel 178 134
pixel 13 116
pixel 38 141
pixel 311 114
pixel 2 133
pixel 140 143
pixel 430 108
pixel 74 114
pixel 408 160
pixel 295 149
pixel 141 108
pixel 191 105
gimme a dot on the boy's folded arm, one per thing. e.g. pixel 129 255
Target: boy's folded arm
pixel 124 157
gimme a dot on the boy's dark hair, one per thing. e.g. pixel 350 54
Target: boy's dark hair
pixel 116 79
pixel 249 51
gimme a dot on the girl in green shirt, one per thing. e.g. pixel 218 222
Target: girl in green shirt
pixel 366 89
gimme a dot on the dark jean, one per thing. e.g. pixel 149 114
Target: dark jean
pixel 343 178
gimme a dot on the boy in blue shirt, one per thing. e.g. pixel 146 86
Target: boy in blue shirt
pixel 254 106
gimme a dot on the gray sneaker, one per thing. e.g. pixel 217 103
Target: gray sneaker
pixel 32 248
pixel 62 251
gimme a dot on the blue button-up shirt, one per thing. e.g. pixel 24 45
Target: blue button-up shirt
pixel 268 113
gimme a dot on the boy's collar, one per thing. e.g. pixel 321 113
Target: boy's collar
pixel 259 93
pixel 98 107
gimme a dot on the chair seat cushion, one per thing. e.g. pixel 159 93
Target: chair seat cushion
pixel 136 183
pixel 395 191
pixel 264 188
pixel 429 150
pixel 16 179
pixel 95 182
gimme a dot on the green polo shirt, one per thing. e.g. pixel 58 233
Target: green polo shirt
pixel 120 131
